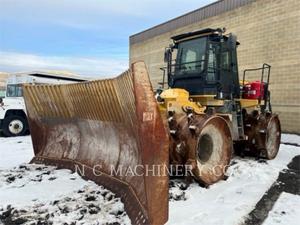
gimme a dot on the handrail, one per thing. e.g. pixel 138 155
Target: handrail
pixel 179 64
pixel 164 75
pixel 174 65
pixel 264 66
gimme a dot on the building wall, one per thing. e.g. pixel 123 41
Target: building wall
pixel 269 31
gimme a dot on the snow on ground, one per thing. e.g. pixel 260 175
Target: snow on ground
pixel 42 193
pixel 285 210
pixel 291 139
pixel 36 181
pixel 14 151
pixel 228 202
pixel 37 194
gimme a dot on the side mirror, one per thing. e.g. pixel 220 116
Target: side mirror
pixel 1 101
pixel 232 41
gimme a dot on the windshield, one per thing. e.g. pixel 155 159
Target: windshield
pixel 191 56
pixel 14 90
pixel 2 93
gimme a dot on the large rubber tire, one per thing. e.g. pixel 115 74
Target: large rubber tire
pixel 14 125
pixel 214 150
pixel 264 134
pixel 273 136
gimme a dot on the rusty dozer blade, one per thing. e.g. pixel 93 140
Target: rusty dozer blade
pixel 109 131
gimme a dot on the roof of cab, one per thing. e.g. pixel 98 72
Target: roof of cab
pixel 203 32
pixel 194 33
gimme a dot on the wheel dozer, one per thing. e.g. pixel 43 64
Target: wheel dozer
pixel 122 135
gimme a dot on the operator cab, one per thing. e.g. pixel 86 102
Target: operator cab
pixel 205 63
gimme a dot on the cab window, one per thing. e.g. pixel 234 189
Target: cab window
pixel 225 59
pixel 212 63
pixel 191 56
pixel 14 90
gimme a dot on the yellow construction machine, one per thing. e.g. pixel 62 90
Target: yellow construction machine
pixel 123 135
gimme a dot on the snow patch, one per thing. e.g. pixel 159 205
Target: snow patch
pixel 15 151
pixel 228 202
pixel 285 210
pixel 37 194
pixel 290 138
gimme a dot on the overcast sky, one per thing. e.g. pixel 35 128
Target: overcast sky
pixel 89 37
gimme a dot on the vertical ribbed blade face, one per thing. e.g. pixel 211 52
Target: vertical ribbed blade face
pixel 109 131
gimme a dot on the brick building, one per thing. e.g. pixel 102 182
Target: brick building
pixel 268 30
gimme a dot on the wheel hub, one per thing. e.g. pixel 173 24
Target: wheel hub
pixel 205 148
pixel 15 126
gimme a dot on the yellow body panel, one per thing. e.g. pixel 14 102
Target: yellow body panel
pixel 207 100
pixel 249 103
pixel 178 100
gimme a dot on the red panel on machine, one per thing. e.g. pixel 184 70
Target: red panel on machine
pixel 254 90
